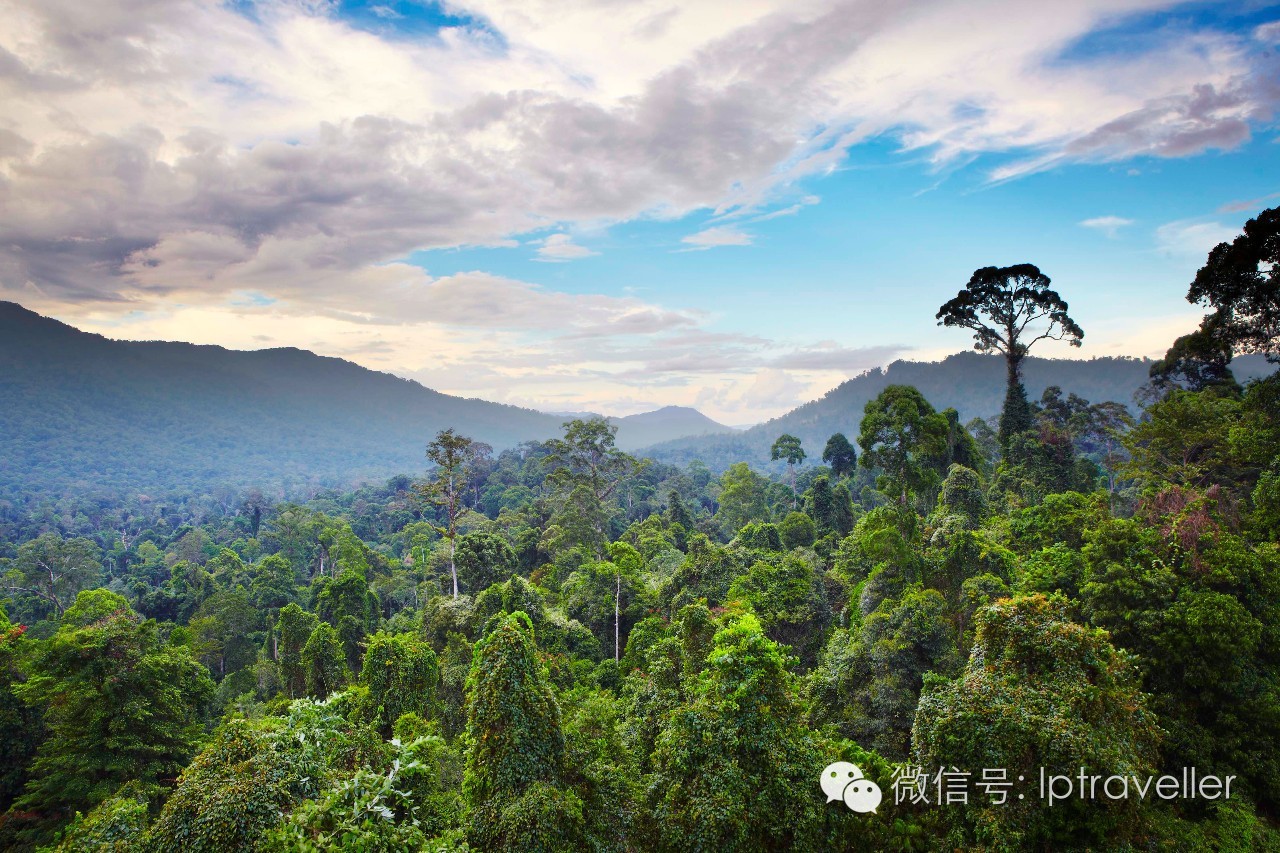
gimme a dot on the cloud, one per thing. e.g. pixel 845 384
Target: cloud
pixel 1108 225
pixel 1247 205
pixel 1192 239
pixel 831 356
pixel 130 124
pixel 790 210
pixel 560 247
pixel 711 238
pixel 161 159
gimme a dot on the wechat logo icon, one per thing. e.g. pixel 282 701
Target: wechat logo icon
pixel 844 781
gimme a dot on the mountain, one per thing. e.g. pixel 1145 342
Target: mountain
pixel 969 382
pixel 665 424
pixel 79 412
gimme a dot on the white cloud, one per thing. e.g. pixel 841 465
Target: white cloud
pixel 133 121
pixel 164 158
pixel 711 238
pixel 1109 225
pixel 560 247
pixel 1192 239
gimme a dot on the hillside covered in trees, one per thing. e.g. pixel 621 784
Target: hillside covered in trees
pixel 81 413
pixel 561 646
pixel 969 382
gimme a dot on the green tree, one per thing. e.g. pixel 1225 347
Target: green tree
pixel 54 570
pixel 119 706
pixel 586 471
pixel 903 436
pixel 742 497
pixel 788 447
pixel 787 594
pixel 234 792
pixel 400 672
pixel 1185 440
pixel 293 629
pixel 20 727
pixel 870 677
pixel 1009 310
pixel 454 456
pixel 678 512
pixel 1195 362
pixel 324 662
pixel 594 593
pixel 735 767
pixel 1039 691
pixel 840 455
pixel 515 761
pixel 223 627
pixel 351 607
pixel 1240 281
pixel 483 559
pixel 798 530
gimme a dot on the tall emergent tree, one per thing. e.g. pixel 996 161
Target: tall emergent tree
pixel 586 470
pixel 1009 309
pixel 454 455
pixel 1240 281
pixel 788 447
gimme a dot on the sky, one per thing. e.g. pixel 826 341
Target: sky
pixel 618 205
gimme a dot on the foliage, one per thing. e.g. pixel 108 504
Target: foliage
pixel 516 750
pixel 1019 310
pixel 119 706
pixel 400 673
pixel 840 455
pixel 734 768
pixel 903 436
pixel 1240 281
pixel 1039 691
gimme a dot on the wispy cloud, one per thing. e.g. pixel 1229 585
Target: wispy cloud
pixel 1192 238
pixel 560 247
pixel 1108 225
pixel 723 235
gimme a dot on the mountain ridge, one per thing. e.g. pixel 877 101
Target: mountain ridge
pixel 84 411
pixel 970 382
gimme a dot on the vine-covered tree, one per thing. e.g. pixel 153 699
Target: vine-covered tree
pixel 400 672
pixel 734 766
pixel 1039 691
pixel 517 749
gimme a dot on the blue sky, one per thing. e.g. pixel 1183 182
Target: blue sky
pixel 573 205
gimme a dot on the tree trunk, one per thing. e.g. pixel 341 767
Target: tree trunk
pixel 453 569
pixel 617 618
